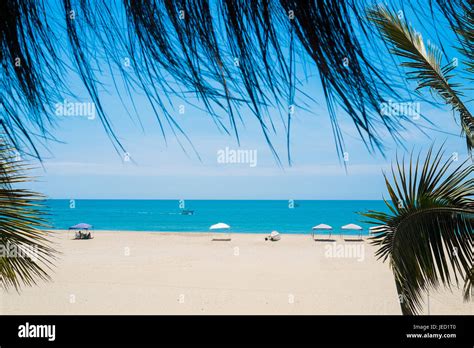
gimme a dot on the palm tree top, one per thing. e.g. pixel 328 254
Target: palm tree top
pixel 424 62
pixel 427 234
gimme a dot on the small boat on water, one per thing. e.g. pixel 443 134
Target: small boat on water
pixel 187 212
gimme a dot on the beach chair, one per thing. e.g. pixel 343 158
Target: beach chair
pixel 357 238
pixel 325 239
pixel 320 238
pixel 221 237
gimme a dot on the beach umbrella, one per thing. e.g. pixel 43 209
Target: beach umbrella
pixel 81 226
pixel 322 227
pixel 353 227
pixel 219 226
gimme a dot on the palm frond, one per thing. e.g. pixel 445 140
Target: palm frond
pixel 428 233
pixel 424 63
pixel 469 285
pixel 464 27
pixel 185 51
pixel 26 254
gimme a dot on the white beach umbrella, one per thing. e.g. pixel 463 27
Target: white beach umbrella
pixel 352 227
pixel 322 227
pixel 219 226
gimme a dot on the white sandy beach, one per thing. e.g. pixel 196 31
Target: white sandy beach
pixel 187 273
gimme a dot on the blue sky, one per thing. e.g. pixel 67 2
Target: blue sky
pixel 84 163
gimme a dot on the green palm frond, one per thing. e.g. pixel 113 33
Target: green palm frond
pixel 25 251
pixel 469 285
pixel 465 30
pixel 428 233
pixel 424 62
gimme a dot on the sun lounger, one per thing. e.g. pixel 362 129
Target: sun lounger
pixel 317 238
pixel 354 239
pixel 322 238
pixel 221 237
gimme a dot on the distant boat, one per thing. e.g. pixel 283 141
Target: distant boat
pixel 187 212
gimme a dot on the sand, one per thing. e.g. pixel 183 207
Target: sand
pixel 188 273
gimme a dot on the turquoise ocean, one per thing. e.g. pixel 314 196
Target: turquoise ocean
pixel 244 216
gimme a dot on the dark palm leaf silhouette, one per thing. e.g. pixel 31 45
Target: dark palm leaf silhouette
pixel 27 254
pixel 428 234
pixel 227 53
pixel 465 30
pixel 432 215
